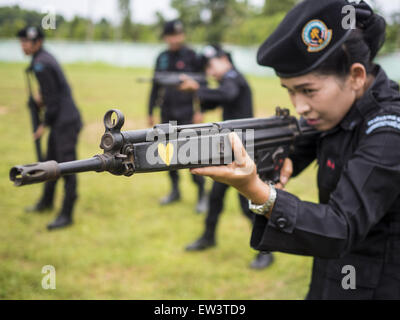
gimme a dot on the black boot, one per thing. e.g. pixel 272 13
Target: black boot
pixel 172 197
pixel 207 240
pixel 39 207
pixel 64 218
pixel 202 203
pixel 60 222
pixel 202 243
pixel 262 260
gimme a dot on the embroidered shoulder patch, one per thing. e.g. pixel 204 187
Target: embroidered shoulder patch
pixel 38 67
pixel 163 63
pixel 231 74
pixel 391 121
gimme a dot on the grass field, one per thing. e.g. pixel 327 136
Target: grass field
pixel 123 245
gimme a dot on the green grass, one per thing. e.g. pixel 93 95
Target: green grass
pixel 123 245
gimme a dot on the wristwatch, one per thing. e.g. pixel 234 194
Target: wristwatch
pixel 262 209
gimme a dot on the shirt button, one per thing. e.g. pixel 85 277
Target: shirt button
pixel 281 222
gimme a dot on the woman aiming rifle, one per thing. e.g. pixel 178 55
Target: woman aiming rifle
pixel 333 83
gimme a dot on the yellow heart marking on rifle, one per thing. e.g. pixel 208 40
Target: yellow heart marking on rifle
pixel 166 152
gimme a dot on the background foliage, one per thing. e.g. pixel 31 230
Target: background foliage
pixel 228 21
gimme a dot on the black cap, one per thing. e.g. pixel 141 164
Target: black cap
pixel 308 34
pixel 31 33
pixel 172 27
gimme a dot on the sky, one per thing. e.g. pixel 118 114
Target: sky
pixel 143 11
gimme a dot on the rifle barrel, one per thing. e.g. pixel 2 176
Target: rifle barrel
pixel 51 170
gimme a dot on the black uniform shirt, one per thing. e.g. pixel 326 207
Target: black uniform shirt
pixel 357 222
pixel 175 104
pixel 233 94
pixel 55 91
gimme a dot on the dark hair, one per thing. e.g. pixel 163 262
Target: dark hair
pixel 361 46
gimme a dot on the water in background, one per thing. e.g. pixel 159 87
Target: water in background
pixel 144 55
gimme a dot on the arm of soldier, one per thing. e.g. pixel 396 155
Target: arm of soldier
pixel 191 85
pixel 304 152
pixel 38 99
pixel 152 105
pixel 49 92
pixel 225 93
pixel 154 98
pixel 39 131
pixel 366 190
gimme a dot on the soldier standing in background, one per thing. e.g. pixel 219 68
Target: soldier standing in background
pixel 234 96
pixel 176 105
pixel 61 116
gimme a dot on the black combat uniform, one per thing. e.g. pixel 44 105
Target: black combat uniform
pixel 357 222
pixel 354 233
pixel 234 96
pixel 63 118
pixel 176 105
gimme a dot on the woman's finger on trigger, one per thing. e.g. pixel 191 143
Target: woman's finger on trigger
pixel 286 171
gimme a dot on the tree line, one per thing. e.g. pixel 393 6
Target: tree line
pixel 227 21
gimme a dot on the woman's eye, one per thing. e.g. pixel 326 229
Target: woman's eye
pixel 308 91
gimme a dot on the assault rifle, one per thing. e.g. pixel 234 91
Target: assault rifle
pixel 172 79
pixel 171 147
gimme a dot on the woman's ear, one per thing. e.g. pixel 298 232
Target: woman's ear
pixel 358 76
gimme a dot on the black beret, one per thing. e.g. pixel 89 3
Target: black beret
pixel 172 27
pixel 308 34
pixel 31 33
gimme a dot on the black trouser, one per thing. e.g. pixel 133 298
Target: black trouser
pixel 216 204
pixel 62 147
